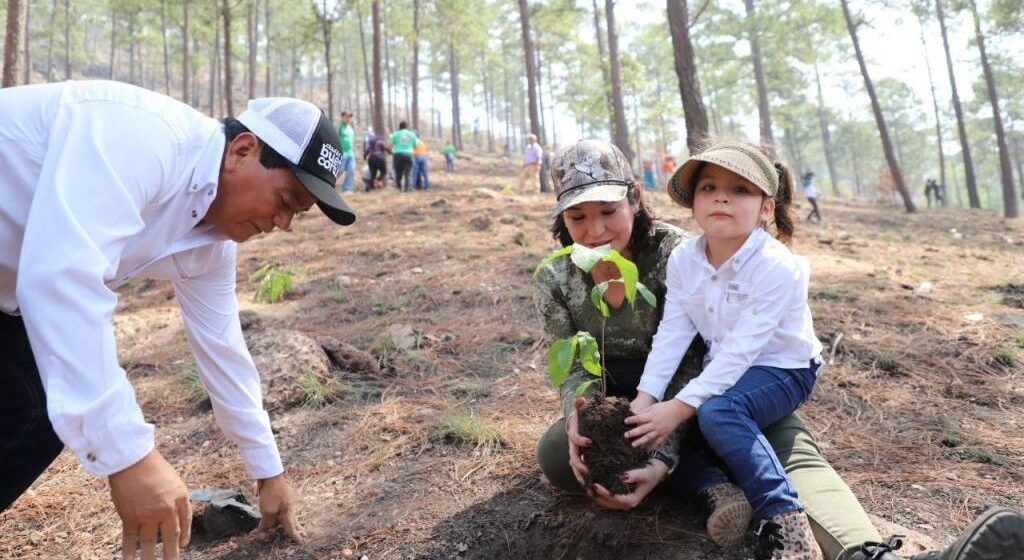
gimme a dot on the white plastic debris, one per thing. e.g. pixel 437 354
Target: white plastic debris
pixel 974 317
pixel 924 288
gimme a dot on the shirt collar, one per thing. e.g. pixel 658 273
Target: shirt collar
pixel 754 242
pixel 202 187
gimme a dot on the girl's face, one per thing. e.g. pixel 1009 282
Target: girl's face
pixel 600 223
pixel 728 207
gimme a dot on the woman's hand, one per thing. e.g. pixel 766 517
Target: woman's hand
pixel 577 443
pixel 644 479
pixel 654 424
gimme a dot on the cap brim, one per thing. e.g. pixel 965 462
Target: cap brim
pixel 680 185
pixel 596 193
pixel 327 198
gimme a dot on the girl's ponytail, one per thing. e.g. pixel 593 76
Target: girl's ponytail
pixel 784 218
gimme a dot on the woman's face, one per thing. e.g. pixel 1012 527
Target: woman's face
pixel 601 223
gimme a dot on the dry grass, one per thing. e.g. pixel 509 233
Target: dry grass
pixel 908 370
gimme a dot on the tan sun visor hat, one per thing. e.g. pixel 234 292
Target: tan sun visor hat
pixel 741 159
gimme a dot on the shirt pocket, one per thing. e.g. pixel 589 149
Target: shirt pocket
pixel 734 300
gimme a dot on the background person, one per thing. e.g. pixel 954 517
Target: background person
pixel 530 172
pixel 347 134
pixel 403 142
pixel 104 182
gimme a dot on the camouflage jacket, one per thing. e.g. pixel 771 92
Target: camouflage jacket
pixel 561 293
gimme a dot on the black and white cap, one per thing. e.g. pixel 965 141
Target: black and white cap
pixel 304 136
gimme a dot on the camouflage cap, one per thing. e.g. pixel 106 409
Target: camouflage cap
pixel 589 171
pixel 741 158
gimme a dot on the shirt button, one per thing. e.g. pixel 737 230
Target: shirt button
pixel 711 309
pixel 195 214
pixel 714 277
pixel 91 458
pixel 209 192
pixel 194 188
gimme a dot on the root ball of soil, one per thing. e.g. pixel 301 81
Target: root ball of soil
pixel 610 454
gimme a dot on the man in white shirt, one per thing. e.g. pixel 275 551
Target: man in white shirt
pixel 530 172
pixel 103 182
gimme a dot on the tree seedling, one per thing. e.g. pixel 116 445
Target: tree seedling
pixel 273 281
pixel 565 351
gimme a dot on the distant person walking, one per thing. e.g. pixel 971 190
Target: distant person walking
pixel 403 141
pixel 932 188
pixel 420 163
pixel 449 157
pixel 375 152
pixel 347 135
pixel 648 166
pixel 812 195
pixel 530 172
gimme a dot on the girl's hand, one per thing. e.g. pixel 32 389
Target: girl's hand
pixel 577 443
pixel 641 402
pixel 654 424
pixel 644 479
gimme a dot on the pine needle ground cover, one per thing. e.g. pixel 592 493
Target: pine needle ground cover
pixel 920 407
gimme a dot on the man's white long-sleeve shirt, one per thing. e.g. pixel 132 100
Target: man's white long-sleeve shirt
pixel 751 311
pixel 102 182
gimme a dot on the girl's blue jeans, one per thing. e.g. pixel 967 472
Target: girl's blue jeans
pixel 731 439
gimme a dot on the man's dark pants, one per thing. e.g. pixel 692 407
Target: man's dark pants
pixel 28 443
pixel 403 166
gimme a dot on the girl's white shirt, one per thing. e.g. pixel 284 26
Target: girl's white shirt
pixel 752 311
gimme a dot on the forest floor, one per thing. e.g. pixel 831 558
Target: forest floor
pixel 426 448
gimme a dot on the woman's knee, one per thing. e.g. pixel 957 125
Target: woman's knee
pixel 553 457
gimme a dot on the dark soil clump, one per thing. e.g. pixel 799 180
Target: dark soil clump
pixel 610 453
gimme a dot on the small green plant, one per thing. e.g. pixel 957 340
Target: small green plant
pixel 1004 358
pixel 1019 339
pixel 978 456
pixel 583 346
pixel 316 388
pixel 273 280
pixel 194 387
pixel 338 295
pixel 950 439
pixel 470 429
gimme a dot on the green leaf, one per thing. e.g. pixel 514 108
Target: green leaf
pixel 597 298
pixel 647 295
pixel 585 258
pixel 590 356
pixel 560 357
pixel 584 386
pixel 630 275
pixel 552 256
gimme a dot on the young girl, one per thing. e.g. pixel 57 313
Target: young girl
pixel 745 294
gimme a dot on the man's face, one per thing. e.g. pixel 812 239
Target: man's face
pixel 346 118
pixel 252 199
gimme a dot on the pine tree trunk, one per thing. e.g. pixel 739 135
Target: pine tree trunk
pixel 326 22
pixel 370 100
pixel 603 60
pixel 972 187
pixel 378 84
pixel 531 70
pixel 506 151
pixel 67 39
pixel 267 78
pixel 1010 208
pixel 250 39
pixel 763 108
pixel 390 84
pixel 938 121
pixel 13 42
pixel 694 114
pixel 620 135
pixel 185 59
pixel 132 41
pixel 49 41
pixel 228 78
pixel 453 73
pixel 415 65
pixel 215 108
pixel 113 40
pixel 27 34
pixel 883 132
pixel 826 136
pixel 542 139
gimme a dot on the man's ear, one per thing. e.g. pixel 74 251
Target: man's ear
pixel 244 145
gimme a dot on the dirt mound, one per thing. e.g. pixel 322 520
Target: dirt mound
pixel 610 454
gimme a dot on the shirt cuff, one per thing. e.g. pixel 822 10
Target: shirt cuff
pixel 651 388
pixel 262 462
pixel 691 398
pixel 121 443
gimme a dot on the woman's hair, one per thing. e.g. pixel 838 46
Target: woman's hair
pixel 643 224
pixel 784 219
pixel 269 157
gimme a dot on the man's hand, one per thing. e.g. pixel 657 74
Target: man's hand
pixel 151 500
pixel 654 424
pixel 577 443
pixel 277 509
pixel 644 479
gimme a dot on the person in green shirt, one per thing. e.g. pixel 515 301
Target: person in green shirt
pixel 403 141
pixel 449 156
pixel 346 133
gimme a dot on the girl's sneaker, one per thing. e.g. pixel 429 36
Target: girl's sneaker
pixel 786 536
pixel 729 514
